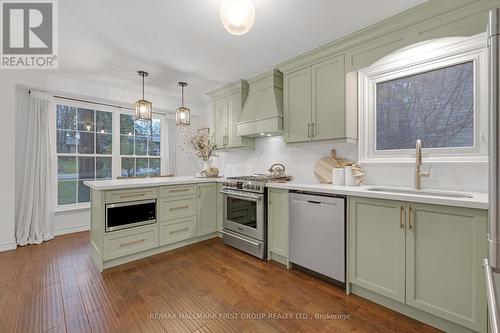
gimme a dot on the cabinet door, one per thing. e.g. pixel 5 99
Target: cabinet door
pixel 328 82
pixel 278 221
pixel 207 209
pixel 297 106
pixel 234 113
pixel 220 208
pixel 220 122
pixel 377 246
pixel 444 249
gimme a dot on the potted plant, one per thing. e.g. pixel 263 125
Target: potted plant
pixel 201 146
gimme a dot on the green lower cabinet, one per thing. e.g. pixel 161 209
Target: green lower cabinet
pixel 427 257
pixel 444 250
pixel 207 209
pixel 278 225
pixel 377 246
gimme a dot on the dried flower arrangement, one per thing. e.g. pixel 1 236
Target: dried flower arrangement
pixel 199 143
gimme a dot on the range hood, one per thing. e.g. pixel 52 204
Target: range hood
pixel 262 114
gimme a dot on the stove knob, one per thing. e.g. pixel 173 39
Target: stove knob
pixel 253 187
pixel 257 187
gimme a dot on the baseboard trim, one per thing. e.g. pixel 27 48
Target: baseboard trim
pixel 8 246
pixel 70 230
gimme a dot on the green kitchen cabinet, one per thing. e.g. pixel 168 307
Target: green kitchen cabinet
pixel 314 103
pixel 207 209
pixel 444 250
pixel 220 118
pixel 427 257
pixel 227 104
pixel 377 246
pixel 278 225
pixel 298 106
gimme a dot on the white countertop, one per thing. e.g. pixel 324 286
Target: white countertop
pixel 478 200
pixel 116 184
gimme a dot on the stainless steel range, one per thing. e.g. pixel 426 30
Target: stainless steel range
pixel 245 222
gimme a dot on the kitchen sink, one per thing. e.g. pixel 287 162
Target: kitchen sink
pixel 432 193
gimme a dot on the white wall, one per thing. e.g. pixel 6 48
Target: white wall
pixel 13 133
pixel 299 159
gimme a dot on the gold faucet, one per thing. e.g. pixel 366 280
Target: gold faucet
pixel 418 166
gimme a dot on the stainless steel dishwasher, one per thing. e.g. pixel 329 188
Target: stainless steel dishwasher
pixel 317 233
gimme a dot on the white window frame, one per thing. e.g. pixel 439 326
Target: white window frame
pixel 115 156
pixel 423 57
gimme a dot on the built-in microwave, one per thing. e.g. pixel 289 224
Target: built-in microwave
pixel 125 215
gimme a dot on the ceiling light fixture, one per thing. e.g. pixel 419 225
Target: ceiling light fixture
pixel 182 114
pixel 237 16
pixel 143 108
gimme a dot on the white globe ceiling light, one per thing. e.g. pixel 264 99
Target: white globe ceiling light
pixel 237 16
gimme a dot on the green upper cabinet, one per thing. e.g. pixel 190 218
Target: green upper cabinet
pixel 444 250
pixel 298 105
pixel 227 103
pixel 329 119
pixel 315 106
pixel 219 126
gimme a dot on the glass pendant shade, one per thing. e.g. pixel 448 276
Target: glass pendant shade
pixel 182 114
pixel 143 108
pixel 237 16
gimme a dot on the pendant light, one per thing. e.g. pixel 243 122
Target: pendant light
pixel 143 108
pixel 237 16
pixel 182 114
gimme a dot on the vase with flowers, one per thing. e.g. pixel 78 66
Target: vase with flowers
pixel 200 145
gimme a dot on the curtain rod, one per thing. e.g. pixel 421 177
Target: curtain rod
pixel 98 103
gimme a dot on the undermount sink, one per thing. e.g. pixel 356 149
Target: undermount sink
pixel 442 194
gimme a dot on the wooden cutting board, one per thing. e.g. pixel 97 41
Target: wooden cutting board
pixel 323 169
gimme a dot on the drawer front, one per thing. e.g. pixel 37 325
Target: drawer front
pixel 181 230
pixel 130 195
pixel 121 243
pixel 173 191
pixel 174 209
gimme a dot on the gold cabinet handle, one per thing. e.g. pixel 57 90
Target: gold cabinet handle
pixel 133 242
pixel 401 213
pixel 180 230
pixel 309 130
pixel 180 207
pixel 132 195
pixel 179 190
pixel 313 126
pixel 410 213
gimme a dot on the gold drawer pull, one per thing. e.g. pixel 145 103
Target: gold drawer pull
pixel 401 224
pixel 132 195
pixel 180 230
pixel 410 226
pixel 179 190
pixel 133 242
pixel 181 207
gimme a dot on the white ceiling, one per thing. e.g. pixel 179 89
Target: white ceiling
pixel 106 42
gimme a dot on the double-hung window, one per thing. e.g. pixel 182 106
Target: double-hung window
pixel 434 91
pixel 96 143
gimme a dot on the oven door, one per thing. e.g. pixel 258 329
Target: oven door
pixel 244 213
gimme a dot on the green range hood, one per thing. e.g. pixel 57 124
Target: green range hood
pixel 262 114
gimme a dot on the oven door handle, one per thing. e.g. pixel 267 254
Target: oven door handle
pixel 241 195
pixel 242 239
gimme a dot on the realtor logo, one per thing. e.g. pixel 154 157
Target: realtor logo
pixel 29 34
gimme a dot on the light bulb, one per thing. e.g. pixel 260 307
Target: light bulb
pixel 182 115
pixel 237 16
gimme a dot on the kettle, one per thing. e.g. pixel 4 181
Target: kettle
pixel 277 170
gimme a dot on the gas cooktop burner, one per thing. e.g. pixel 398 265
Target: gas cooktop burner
pixel 255 183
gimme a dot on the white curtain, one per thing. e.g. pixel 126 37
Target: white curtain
pixel 35 197
pixel 171 167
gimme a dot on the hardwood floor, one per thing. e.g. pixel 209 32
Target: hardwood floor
pixel 205 287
